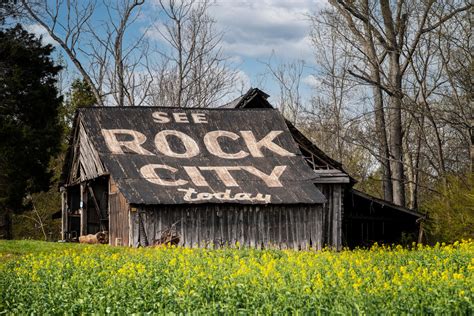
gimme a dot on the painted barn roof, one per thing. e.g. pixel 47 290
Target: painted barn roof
pixel 256 98
pixel 180 156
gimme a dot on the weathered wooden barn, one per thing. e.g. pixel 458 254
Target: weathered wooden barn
pixel 214 177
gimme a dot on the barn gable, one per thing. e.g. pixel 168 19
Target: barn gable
pixel 82 160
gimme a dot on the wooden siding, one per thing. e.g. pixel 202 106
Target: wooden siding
pixel 296 227
pixel 86 163
pixel 118 217
pixel 332 214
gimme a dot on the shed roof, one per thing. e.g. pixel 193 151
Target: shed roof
pixel 178 156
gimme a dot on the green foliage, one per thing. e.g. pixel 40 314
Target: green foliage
pixel 37 223
pixel 30 130
pixel 451 212
pixel 81 94
pixel 370 183
pixel 99 279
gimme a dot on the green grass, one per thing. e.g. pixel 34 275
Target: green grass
pixel 14 249
pixel 54 278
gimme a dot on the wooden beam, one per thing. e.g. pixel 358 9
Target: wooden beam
pixel 64 217
pixel 97 207
pixel 83 209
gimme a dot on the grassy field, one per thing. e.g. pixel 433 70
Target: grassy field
pixel 54 278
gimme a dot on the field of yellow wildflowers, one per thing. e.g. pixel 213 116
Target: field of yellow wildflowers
pixel 102 279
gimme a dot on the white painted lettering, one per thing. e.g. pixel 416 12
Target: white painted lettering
pixel 115 146
pixel 191 195
pixel 224 174
pixel 160 117
pixel 242 196
pixel 204 196
pixel 212 145
pixel 196 176
pixel 162 145
pixel 272 180
pixel 199 118
pixel 255 146
pixel 149 173
pixel 180 118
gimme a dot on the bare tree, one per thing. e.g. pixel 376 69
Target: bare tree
pixel 387 35
pixel 288 76
pixel 108 66
pixel 361 45
pixel 334 88
pixel 194 72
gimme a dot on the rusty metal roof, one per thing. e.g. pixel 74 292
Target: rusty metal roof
pixel 256 150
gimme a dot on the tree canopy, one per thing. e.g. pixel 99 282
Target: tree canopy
pixel 30 129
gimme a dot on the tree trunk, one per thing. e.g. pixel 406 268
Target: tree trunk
pixel 396 98
pixel 6 228
pixel 472 140
pixel 380 124
pixel 383 148
pixel 396 132
pixel 416 171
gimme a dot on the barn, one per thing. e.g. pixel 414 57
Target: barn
pixel 237 174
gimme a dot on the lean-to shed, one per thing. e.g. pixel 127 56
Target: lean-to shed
pixel 195 177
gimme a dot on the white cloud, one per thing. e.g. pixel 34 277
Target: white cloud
pixel 311 81
pixel 241 85
pixel 39 31
pixel 236 60
pixel 258 28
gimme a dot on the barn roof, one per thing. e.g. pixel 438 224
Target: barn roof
pixel 256 98
pixel 168 155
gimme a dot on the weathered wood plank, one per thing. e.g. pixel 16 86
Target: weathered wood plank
pixel 337 221
pixel 303 236
pixel 241 223
pixel 319 227
pixel 285 242
pixel 280 228
pixel 277 226
pixel 136 231
pixel 261 228
pixel 186 228
pixel 221 240
pixel 197 238
pixel 254 226
pixel 291 229
pixel 213 231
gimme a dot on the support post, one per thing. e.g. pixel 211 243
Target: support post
pixel 83 209
pixel 64 217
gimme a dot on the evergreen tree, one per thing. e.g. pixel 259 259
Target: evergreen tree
pixel 81 94
pixel 30 129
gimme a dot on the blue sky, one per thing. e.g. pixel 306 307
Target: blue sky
pixel 253 32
